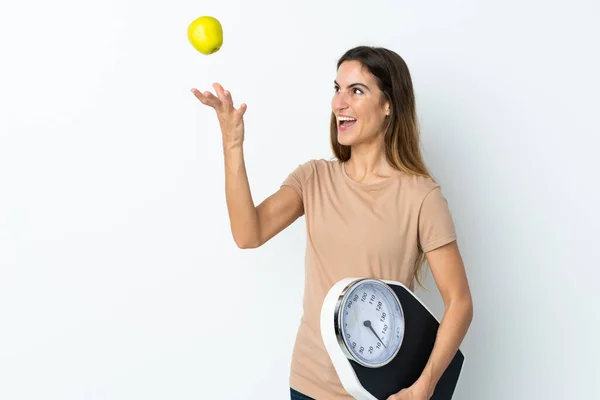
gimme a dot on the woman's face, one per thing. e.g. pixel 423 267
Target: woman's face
pixel 357 105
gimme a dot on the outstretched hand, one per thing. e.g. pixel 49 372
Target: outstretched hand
pixel 231 120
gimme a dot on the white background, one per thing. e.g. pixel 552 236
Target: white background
pixel 119 278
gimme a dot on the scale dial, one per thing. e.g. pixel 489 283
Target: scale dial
pixel 370 323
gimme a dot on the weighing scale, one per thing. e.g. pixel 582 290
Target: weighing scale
pixel 379 336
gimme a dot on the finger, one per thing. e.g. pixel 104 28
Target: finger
pixel 242 110
pixel 206 98
pixel 227 98
pixel 220 92
pixel 212 99
pixel 200 96
pixel 224 96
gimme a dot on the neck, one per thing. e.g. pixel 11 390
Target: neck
pixel 368 163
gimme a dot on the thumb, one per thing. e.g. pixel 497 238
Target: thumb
pixel 242 110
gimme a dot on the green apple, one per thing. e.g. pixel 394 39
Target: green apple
pixel 205 34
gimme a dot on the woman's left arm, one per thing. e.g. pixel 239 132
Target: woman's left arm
pixel 448 271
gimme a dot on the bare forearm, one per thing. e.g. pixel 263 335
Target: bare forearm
pixel 243 216
pixel 451 332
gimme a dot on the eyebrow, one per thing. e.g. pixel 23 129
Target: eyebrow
pixel 353 85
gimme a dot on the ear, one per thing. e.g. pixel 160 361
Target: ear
pixel 387 107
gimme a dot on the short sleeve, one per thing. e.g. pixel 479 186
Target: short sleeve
pixel 298 177
pixel 436 226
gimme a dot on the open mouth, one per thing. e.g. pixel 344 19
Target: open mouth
pixel 346 122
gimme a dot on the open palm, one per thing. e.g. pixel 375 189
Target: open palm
pixel 231 119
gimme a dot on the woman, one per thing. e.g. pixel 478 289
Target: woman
pixel 374 211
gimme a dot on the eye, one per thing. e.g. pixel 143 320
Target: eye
pixel 336 88
pixel 358 90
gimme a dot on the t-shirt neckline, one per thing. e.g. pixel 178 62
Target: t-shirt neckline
pixel 372 185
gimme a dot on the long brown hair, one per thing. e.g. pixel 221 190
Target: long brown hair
pixel 401 134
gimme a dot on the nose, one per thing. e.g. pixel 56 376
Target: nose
pixel 339 102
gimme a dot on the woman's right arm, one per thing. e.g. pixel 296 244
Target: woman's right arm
pixel 251 226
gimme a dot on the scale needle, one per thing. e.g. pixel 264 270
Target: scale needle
pixel 367 323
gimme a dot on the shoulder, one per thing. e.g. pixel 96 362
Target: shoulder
pixel 417 185
pixel 315 167
pixel 321 163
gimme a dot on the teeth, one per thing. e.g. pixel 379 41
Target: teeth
pixel 346 119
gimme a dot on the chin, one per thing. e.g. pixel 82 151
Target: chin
pixel 344 140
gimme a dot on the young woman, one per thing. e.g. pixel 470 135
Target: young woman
pixel 374 211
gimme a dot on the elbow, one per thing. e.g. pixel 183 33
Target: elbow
pixel 246 242
pixel 469 312
pixel 245 245
pixel 464 306
pixel 247 237
pixel 468 309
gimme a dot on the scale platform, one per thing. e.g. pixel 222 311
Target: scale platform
pixel 379 336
